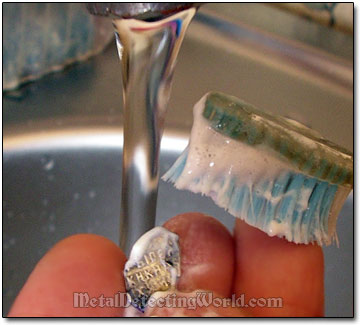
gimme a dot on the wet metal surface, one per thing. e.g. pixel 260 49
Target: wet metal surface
pixel 153 265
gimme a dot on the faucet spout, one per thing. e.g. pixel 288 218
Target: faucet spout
pixel 149 11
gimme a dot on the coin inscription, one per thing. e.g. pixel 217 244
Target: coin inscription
pixel 153 265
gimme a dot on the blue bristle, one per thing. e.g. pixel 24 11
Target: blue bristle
pixel 237 199
pixel 176 170
pixel 258 202
pixel 277 188
pixel 309 215
pixel 297 218
pixel 266 186
pixel 278 191
pixel 301 202
pixel 270 211
pixel 244 198
pixel 294 189
pixel 280 184
pixel 252 207
pixel 231 188
pixel 326 206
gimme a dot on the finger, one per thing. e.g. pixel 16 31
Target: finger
pixel 207 266
pixel 207 253
pixel 82 263
pixel 271 267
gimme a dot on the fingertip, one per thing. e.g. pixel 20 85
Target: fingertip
pixel 273 267
pixel 82 263
pixel 207 253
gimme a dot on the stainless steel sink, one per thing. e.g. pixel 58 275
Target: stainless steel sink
pixel 63 140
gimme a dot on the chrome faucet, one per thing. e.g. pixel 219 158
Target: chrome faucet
pixel 140 11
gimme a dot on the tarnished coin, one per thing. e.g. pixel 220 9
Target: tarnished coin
pixel 153 265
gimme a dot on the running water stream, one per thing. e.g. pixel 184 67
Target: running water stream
pixel 148 51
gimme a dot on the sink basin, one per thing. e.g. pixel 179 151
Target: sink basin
pixel 63 140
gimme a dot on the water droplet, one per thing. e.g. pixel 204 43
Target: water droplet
pixel 76 196
pixel 49 165
pixel 211 164
pixel 51 227
pixel 92 194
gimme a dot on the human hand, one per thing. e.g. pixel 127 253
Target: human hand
pixel 249 263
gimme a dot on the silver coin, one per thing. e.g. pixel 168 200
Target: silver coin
pixel 153 265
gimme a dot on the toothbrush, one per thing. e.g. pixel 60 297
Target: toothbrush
pixel 272 172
